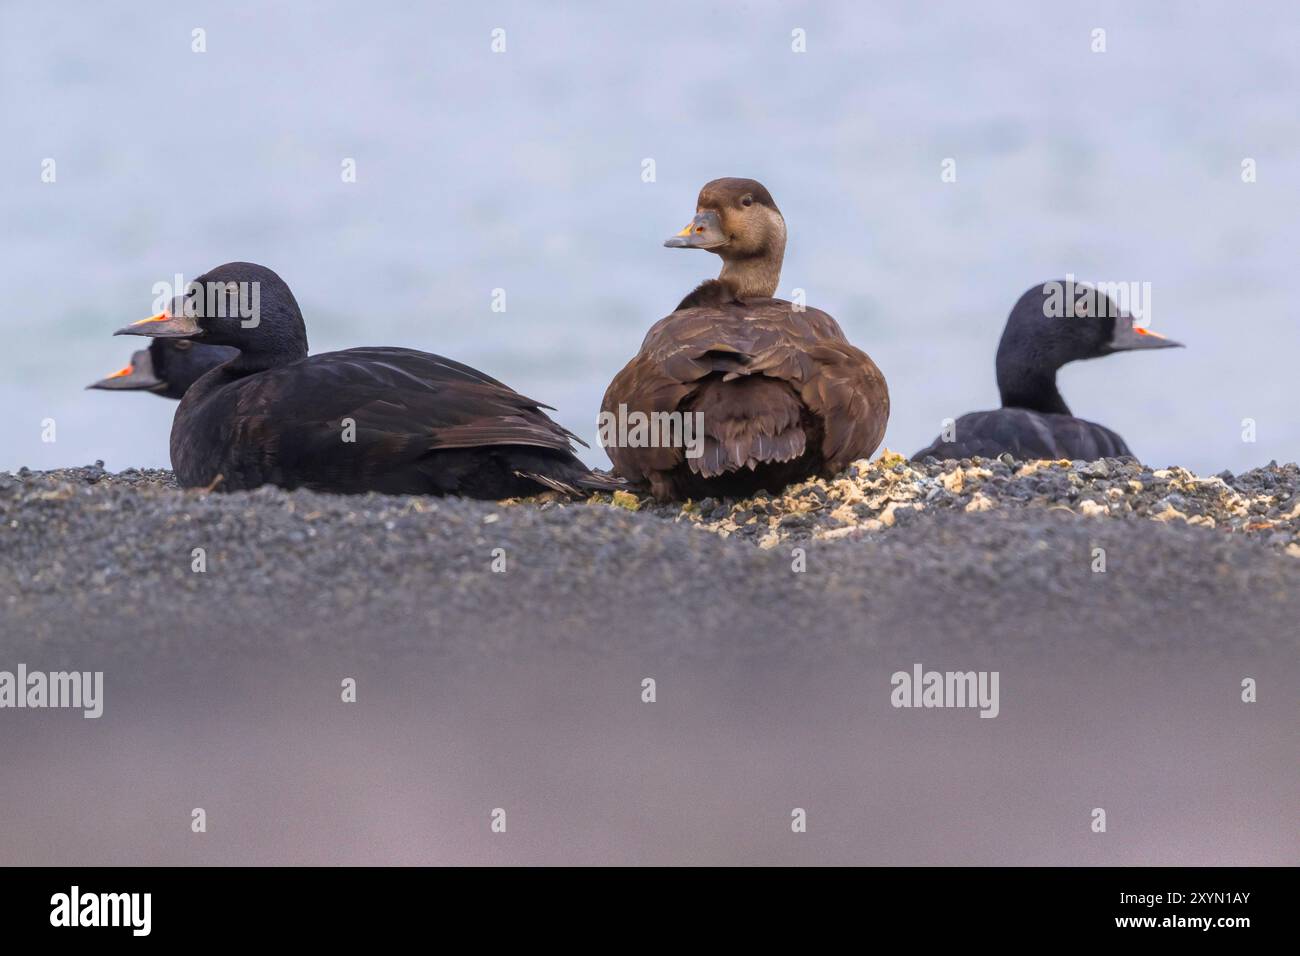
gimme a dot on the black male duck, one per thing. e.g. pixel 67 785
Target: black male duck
pixel 389 420
pixel 1042 334
pixel 166 368
pixel 779 392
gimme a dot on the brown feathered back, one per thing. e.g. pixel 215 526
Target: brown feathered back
pixel 783 394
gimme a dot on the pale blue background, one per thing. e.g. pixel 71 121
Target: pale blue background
pixel 522 171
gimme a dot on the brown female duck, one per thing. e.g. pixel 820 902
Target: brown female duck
pixel 778 391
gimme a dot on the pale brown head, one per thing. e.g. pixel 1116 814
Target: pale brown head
pixel 738 220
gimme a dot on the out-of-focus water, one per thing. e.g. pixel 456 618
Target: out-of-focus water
pixel 523 171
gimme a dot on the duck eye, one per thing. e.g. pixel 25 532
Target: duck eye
pixel 747 201
pixel 182 345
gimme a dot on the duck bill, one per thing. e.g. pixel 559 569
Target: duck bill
pixel 1129 337
pixel 137 377
pixel 164 326
pixel 704 232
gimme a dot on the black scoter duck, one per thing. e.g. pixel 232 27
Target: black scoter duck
pixel 1042 335
pixel 390 420
pixel 782 394
pixel 167 367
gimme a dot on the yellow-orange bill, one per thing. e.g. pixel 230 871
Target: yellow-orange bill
pixel 121 372
pixel 160 317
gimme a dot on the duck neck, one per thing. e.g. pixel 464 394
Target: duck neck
pixel 1031 388
pixel 250 362
pixel 755 276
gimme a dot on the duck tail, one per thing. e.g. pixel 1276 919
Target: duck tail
pixel 576 485
pixel 546 481
pixel 600 481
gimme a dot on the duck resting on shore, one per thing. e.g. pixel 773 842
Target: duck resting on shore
pixel 780 393
pixel 1042 334
pixel 390 420
pixel 166 368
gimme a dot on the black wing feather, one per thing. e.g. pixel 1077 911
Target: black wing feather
pixel 1025 434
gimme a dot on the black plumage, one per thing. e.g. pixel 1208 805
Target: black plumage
pixel 167 368
pixel 390 420
pixel 1027 435
pixel 1042 334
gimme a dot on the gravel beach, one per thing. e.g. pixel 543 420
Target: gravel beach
pixel 998 553
pixel 771 626
pixel 892 491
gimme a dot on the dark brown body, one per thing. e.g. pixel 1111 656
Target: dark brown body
pixel 783 395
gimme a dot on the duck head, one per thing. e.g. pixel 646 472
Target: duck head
pixel 1056 323
pixel 737 220
pixel 166 368
pixel 241 305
